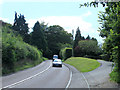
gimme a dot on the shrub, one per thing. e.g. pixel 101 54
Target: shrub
pixel 115 75
pixel 87 47
pixel 92 57
pixel 105 57
pixel 66 53
pixel 14 50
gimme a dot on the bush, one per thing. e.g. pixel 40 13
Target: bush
pixel 66 53
pixel 115 75
pixel 93 57
pixel 87 47
pixel 14 50
pixel 105 57
pixel 8 57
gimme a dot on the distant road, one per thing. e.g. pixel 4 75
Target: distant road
pixel 41 76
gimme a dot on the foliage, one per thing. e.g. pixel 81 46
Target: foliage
pixel 21 26
pixel 57 37
pixel 114 75
pixel 65 53
pixel 61 45
pixel 87 48
pixel 110 29
pixel 38 37
pixel 83 64
pixel 68 53
pixel 88 37
pixel 14 50
pixel 77 37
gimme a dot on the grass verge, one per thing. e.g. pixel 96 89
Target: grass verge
pixel 115 75
pixel 83 64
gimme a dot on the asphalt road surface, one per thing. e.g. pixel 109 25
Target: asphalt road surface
pixel 46 76
pixel 41 76
pixel 98 78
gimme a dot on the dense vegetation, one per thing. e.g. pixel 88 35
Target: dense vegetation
pixel 57 38
pixel 86 47
pixel 47 39
pixel 38 38
pixel 23 49
pixel 16 54
pixel 65 53
pixel 83 64
pixel 110 30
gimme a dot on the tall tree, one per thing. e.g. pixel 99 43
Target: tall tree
pixel 77 37
pixel 111 30
pixel 21 26
pixel 88 37
pixel 38 37
pixel 56 36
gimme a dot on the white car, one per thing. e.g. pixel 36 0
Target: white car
pixel 57 62
pixel 55 57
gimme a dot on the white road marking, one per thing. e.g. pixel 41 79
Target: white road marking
pixel 11 85
pixel 69 80
pixel 86 81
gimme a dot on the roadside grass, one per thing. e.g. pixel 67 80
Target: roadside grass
pixel 63 60
pixel 83 64
pixel 24 64
pixel 45 58
pixel 115 75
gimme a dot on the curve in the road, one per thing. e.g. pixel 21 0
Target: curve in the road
pixel 67 86
pixel 21 75
pixel 51 77
pixel 12 85
pixel 78 80
pixel 55 77
pixel 98 78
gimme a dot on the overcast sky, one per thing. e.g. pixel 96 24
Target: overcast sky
pixel 65 13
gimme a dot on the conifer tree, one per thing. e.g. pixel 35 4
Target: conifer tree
pixel 77 37
pixel 21 26
pixel 88 37
pixel 38 37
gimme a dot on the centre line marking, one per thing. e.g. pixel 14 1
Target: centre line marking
pixel 26 78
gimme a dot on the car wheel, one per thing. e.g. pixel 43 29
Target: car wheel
pixel 60 65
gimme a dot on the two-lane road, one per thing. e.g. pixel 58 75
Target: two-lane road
pixel 41 76
pixel 46 76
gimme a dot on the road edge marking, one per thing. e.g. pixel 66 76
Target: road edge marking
pixel 10 86
pixel 86 81
pixel 69 80
pixel 68 84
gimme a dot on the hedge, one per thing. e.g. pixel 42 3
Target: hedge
pixel 66 53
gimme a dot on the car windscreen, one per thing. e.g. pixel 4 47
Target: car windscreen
pixel 57 61
pixel 55 56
